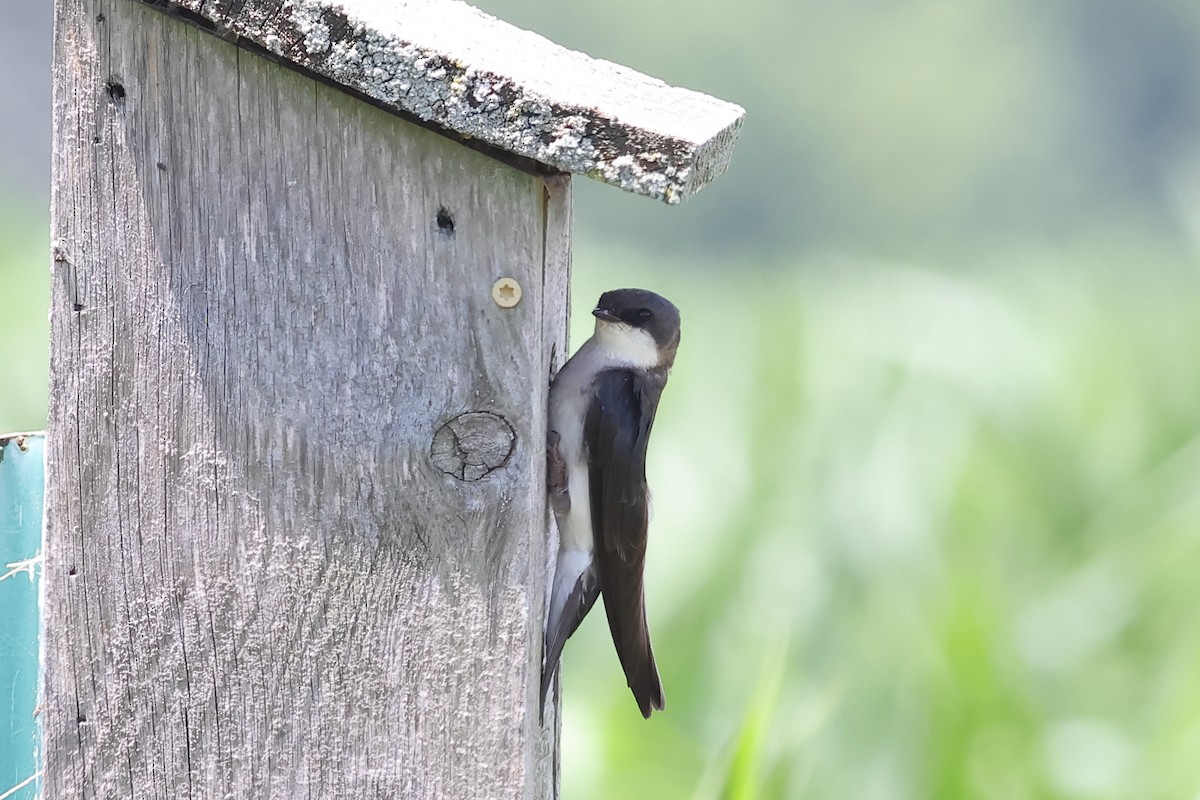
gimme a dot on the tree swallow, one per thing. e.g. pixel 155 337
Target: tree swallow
pixel 602 405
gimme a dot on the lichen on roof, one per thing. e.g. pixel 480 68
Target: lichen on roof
pixel 448 64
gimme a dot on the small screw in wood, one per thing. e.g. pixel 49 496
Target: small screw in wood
pixel 506 292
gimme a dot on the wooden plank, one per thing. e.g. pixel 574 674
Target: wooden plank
pixel 268 298
pixel 556 291
pixel 450 65
pixel 21 491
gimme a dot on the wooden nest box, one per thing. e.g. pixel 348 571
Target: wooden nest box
pixel 310 264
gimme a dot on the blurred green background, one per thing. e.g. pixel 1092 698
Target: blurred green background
pixel 927 473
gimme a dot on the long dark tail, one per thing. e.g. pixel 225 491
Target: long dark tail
pixel 631 636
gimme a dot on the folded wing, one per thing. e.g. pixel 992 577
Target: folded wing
pixel 616 433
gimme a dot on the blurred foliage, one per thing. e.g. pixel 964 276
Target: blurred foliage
pixel 970 503
pixel 24 315
pixel 922 127
pixel 927 473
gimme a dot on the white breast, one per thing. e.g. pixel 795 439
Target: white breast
pixel 625 346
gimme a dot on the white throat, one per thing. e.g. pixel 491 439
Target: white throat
pixel 625 345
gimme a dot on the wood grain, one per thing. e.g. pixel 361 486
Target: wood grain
pixel 448 64
pixel 267 298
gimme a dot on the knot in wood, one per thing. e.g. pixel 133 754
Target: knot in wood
pixel 473 444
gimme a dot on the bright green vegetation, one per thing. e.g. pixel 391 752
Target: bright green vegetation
pixel 918 534
pixel 24 315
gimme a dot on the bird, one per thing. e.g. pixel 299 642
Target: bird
pixel 601 410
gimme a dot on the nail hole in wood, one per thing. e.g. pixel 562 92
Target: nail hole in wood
pixel 116 92
pixel 445 222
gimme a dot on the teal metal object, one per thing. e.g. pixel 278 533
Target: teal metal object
pixel 22 487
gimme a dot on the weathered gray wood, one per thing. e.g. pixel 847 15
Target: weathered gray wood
pixel 268 297
pixel 558 306
pixel 451 65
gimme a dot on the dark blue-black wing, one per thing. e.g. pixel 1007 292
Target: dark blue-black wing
pixel 616 433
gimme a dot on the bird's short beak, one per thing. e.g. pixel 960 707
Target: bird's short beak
pixel 605 314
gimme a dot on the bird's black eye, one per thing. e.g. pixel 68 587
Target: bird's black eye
pixel 644 314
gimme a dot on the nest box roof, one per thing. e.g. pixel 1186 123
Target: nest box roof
pixel 452 66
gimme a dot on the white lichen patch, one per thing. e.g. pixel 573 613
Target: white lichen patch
pixel 306 18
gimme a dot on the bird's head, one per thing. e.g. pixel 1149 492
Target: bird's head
pixel 638 327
